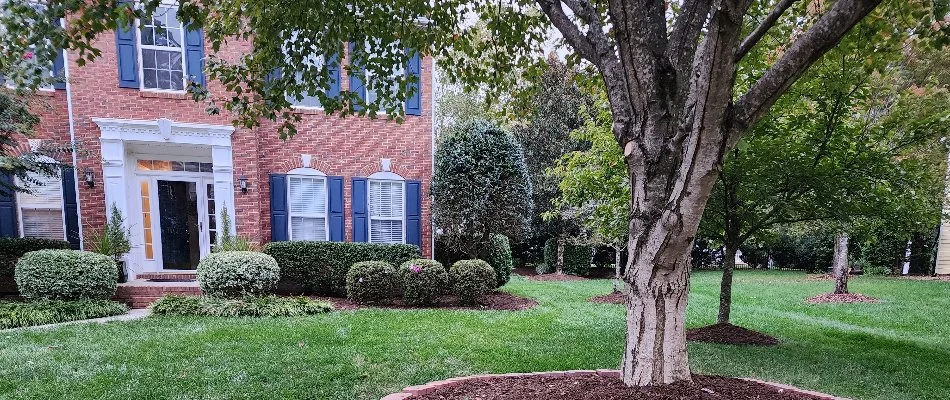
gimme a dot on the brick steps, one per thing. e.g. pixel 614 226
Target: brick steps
pixel 177 275
pixel 141 293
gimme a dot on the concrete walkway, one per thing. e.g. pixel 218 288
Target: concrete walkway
pixel 129 316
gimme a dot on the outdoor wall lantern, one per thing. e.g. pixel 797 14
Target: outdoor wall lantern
pixel 242 183
pixel 89 177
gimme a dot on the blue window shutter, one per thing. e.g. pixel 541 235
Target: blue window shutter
pixel 71 207
pixel 414 69
pixel 59 65
pixel 414 213
pixel 356 83
pixel 335 209
pixel 8 213
pixel 195 55
pixel 360 212
pixel 278 208
pixel 333 65
pixel 127 56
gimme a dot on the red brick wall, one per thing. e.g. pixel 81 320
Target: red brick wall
pixel 345 147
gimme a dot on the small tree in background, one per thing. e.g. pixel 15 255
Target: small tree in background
pixel 228 241
pixel 480 187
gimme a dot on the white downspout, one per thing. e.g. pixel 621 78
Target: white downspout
pixel 72 143
pixel 435 81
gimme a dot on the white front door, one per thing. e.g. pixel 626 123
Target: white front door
pixel 178 220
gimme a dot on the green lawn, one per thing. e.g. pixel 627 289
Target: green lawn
pixel 899 349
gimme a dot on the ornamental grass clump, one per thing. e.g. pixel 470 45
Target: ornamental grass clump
pixel 472 280
pixel 235 274
pixel 66 275
pixel 371 282
pixel 15 314
pixel 264 306
pixel 423 281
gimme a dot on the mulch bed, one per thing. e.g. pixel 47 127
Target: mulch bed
pixel 926 278
pixel 613 298
pixel 845 298
pixel 730 334
pixel 498 300
pixel 556 278
pixel 820 277
pixel 596 387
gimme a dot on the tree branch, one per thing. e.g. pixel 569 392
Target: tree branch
pixel 685 36
pixel 749 42
pixel 818 40
pixel 592 46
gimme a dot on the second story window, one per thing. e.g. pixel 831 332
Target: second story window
pixel 161 51
pixel 308 95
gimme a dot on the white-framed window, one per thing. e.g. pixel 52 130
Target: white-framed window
pixel 374 85
pixel 41 211
pixel 162 51
pixel 307 197
pixel 295 44
pixel 387 210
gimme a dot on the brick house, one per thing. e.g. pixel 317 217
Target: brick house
pixel 172 169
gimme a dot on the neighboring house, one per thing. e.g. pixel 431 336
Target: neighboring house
pixel 171 168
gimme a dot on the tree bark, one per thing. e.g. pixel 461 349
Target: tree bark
pixel 725 288
pixel 559 264
pixel 840 263
pixel 617 257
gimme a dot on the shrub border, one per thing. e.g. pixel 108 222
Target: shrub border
pixel 432 386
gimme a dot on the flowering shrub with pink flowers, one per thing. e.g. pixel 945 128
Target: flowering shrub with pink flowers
pixel 423 281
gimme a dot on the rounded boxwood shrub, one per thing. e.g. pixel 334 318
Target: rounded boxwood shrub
pixel 472 279
pixel 423 281
pixel 238 274
pixel 371 281
pixel 66 275
pixel 499 257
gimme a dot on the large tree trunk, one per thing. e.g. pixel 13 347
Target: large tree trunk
pixel 725 287
pixel 840 263
pixel 617 257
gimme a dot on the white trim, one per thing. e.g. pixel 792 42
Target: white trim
pixel 386 176
pixel 305 171
pixel 139 47
pixel 164 130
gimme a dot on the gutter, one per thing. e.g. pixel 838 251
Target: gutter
pixel 73 145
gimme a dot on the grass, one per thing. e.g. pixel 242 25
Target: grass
pixel 897 349
pixel 15 314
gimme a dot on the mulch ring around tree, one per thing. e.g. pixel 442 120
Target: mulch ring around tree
pixel 820 277
pixel 730 334
pixel 613 298
pixel 844 298
pixel 598 387
pixel 498 300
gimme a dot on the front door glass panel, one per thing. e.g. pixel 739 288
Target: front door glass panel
pixel 181 230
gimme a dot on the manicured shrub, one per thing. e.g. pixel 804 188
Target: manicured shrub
pixel 321 267
pixel 499 257
pixel 238 274
pixel 576 257
pixel 472 279
pixel 423 281
pixel 371 281
pixel 66 275
pixel 265 306
pixel 14 314
pixel 11 249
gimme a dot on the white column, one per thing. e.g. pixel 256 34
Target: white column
pixel 223 169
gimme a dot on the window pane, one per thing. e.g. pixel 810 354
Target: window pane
pixel 385 231
pixel 43 223
pixel 304 228
pixel 386 199
pixel 47 194
pixel 308 196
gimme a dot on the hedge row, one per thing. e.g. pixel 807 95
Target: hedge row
pixel 321 267
pixel 419 282
pixel 577 258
